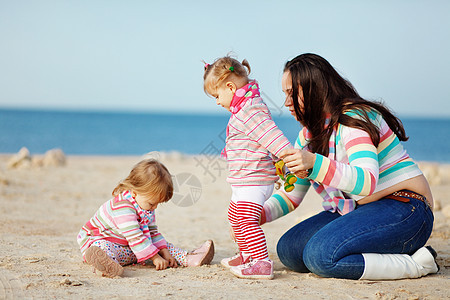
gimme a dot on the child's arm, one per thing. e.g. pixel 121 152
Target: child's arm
pixel 260 127
pixel 128 226
pixel 156 237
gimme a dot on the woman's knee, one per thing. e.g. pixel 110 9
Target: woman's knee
pixel 290 253
pixel 322 254
pixel 316 259
pixel 328 258
pixel 290 247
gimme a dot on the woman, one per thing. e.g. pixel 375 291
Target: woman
pixel 378 205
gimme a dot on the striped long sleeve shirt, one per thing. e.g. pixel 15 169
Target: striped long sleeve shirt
pixel 252 136
pixel 354 168
pixel 121 221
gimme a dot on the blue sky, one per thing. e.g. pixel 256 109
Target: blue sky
pixel 146 55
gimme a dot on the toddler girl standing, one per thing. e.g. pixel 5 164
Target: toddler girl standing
pixel 123 231
pixel 251 137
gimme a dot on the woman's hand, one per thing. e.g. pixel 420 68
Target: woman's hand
pixel 159 262
pixel 166 255
pixel 298 161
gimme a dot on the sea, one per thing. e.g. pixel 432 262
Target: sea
pixel 137 133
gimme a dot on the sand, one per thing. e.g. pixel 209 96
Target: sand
pixel 43 208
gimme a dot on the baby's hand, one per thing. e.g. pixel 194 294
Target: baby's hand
pixel 166 255
pixel 159 262
pixel 172 262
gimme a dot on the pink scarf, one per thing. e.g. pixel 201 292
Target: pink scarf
pixel 248 91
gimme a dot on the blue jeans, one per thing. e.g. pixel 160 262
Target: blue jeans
pixel 330 245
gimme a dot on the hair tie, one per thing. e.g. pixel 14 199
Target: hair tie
pixel 206 66
pixel 231 69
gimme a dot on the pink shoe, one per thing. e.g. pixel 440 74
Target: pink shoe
pixel 256 269
pixel 235 261
pixel 107 266
pixel 201 256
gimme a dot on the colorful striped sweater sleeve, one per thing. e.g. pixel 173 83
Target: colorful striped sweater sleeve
pixel 360 175
pixel 138 239
pixel 281 203
pixel 157 238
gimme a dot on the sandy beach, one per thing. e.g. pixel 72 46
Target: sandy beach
pixel 43 208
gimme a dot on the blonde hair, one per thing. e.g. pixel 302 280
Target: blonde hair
pixel 222 69
pixel 148 178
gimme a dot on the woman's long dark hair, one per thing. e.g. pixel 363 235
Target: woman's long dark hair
pixel 325 91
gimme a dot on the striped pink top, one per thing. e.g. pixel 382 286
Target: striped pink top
pixel 252 136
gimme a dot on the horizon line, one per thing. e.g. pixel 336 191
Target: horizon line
pixel 173 112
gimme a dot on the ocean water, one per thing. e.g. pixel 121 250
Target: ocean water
pixel 111 133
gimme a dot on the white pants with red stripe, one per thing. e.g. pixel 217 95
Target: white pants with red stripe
pixel 243 214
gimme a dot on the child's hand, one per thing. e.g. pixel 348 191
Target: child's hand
pixel 159 262
pixel 166 255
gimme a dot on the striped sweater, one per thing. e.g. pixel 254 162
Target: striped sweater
pixel 354 168
pixel 121 221
pixel 252 136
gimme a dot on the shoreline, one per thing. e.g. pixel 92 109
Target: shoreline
pixel 168 153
